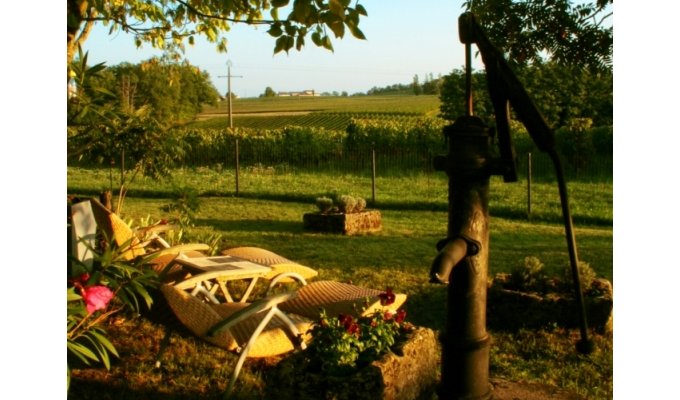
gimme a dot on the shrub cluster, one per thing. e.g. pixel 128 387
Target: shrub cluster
pixel 345 204
pixel 528 275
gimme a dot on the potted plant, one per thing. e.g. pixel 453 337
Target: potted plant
pixel 346 214
pixel 376 356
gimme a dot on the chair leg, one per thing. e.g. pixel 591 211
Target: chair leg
pixel 164 345
pixel 237 369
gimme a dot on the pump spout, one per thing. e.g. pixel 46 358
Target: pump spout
pixel 448 257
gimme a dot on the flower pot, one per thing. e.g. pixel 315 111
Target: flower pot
pixel 408 373
pixel 347 224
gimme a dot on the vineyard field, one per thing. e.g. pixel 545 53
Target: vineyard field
pixel 424 105
pixel 327 120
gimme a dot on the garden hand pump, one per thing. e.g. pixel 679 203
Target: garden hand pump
pixel 463 258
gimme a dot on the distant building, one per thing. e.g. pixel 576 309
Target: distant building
pixel 304 93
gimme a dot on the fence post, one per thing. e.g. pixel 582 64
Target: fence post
pixel 373 174
pixel 529 185
pixel 237 167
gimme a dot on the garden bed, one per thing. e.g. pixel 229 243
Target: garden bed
pixel 408 373
pixel 345 223
pixel 514 309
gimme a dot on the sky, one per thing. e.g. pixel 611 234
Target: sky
pixel 404 38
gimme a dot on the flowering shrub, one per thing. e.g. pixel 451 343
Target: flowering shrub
pixel 94 293
pixel 341 344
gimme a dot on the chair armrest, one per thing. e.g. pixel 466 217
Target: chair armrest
pixel 285 275
pixel 181 248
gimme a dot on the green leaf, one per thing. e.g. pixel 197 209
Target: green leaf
pixel 280 44
pixel 327 43
pixel 300 42
pixel 361 10
pixel 337 8
pixel 106 343
pixel 275 30
pixel 356 32
pixel 81 351
pixel 338 28
pixel 279 3
pixel 71 295
pixel 103 355
pixel 301 10
pixel 316 38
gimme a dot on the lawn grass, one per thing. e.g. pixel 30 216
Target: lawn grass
pixel 269 213
pixel 591 202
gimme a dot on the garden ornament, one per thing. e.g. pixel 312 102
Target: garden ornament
pixel 463 258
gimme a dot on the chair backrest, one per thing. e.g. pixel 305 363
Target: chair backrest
pixel 83 232
pixel 114 228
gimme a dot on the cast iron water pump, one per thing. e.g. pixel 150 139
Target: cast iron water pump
pixel 463 257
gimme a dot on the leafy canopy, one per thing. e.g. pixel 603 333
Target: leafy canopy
pixel 169 24
pixel 534 30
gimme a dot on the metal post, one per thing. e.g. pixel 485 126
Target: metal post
pixel 468 79
pixel 373 174
pixel 463 262
pixel 237 166
pixel 229 76
pixel 231 120
pixel 529 185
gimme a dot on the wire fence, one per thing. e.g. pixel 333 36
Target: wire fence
pixel 388 161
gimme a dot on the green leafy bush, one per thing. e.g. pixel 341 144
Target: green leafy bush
pixel 325 204
pixel 527 274
pixel 341 344
pixel 346 204
pixel 96 292
pixel 586 275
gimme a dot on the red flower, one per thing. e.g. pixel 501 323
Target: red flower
pixel 348 323
pixel 96 297
pixel 387 297
pixel 401 316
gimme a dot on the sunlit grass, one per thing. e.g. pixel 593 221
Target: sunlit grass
pixel 591 203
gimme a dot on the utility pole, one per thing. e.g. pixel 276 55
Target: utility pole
pixel 231 120
pixel 229 76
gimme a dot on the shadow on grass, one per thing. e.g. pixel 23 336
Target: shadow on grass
pixel 252 225
pixel 500 211
pixel 426 306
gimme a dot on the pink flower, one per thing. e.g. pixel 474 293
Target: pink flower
pixel 96 297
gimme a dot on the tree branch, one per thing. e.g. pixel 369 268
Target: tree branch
pixel 223 18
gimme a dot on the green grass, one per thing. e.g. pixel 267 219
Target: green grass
pixel 591 203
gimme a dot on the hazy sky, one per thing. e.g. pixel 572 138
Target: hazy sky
pixel 404 38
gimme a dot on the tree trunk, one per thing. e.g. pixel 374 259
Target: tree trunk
pixel 78 26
